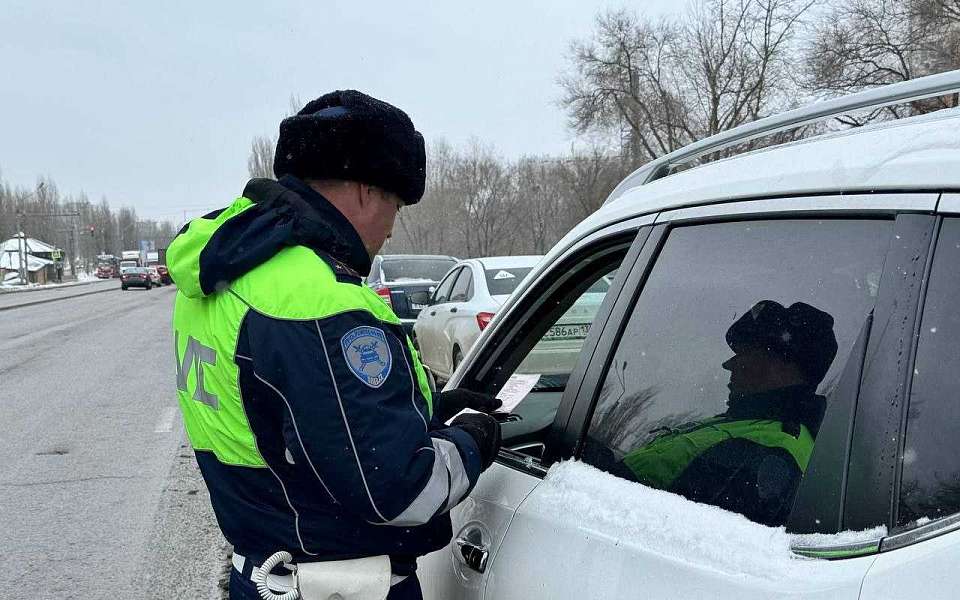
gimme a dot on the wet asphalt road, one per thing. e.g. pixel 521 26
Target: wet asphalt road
pixel 99 493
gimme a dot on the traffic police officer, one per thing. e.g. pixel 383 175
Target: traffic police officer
pixel 751 458
pixel 304 400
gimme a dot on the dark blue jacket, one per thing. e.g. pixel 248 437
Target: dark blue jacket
pixel 352 464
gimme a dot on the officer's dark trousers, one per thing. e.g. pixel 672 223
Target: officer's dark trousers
pixel 241 588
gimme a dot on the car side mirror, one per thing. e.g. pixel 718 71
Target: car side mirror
pixel 423 297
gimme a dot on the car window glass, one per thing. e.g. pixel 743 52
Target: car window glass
pixel 502 282
pixel 717 387
pixel 930 481
pixel 546 367
pixel 460 292
pixel 409 269
pixel 558 349
pixel 443 290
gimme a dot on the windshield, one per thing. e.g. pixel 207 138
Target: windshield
pixel 416 268
pixel 501 282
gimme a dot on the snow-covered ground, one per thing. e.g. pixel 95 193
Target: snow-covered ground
pixel 12 285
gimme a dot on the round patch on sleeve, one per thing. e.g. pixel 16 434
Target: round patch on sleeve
pixel 367 354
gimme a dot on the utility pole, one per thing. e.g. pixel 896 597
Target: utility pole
pixel 60 214
pixel 76 245
pixel 21 250
pixel 22 264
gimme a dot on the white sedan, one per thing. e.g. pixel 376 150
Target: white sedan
pixel 469 296
pixel 462 305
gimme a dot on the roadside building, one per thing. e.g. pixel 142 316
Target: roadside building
pixel 41 261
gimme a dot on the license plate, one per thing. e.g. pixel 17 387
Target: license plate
pixel 416 306
pixel 575 331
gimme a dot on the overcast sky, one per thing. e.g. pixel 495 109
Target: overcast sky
pixel 154 104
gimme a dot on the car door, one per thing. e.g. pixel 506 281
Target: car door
pixel 457 318
pixel 429 323
pixel 657 370
pixel 919 557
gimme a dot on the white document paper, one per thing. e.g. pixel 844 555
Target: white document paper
pixel 516 389
pixel 513 392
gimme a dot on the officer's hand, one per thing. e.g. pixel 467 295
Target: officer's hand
pixel 485 430
pixel 451 402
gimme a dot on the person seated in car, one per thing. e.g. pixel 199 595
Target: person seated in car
pixel 750 459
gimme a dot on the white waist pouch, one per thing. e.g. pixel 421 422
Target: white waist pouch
pixel 355 579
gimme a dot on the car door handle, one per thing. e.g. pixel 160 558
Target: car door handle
pixel 454 309
pixel 471 551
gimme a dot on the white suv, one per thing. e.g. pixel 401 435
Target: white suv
pixel 835 258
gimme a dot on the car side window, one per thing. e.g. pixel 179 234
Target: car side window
pixel 719 383
pixel 442 294
pixel 544 345
pixel 930 477
pixel 461 289
pixel 556 352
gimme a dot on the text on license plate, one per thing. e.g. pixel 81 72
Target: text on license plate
pixel 567 332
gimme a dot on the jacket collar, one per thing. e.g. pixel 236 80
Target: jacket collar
pixel 316 223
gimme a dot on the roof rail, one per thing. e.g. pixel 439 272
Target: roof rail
pixel 895 93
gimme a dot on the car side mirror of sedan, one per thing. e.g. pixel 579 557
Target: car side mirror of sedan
pixel 423 297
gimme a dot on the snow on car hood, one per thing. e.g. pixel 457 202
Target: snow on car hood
pixel 674 527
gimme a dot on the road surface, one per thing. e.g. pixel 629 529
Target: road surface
pixel 99 492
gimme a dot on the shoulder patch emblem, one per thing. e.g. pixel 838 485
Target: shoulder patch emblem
pixel 367 353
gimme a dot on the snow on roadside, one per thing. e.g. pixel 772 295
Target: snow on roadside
pixel 6 288
pixel 672 526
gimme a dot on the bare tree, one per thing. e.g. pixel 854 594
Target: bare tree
pixel 860 44
pixel 260 161
pixel 47 215
pixel 485 197
pixel 735 60
pixel 429 227
pixel 262 148
pixel 663 84
pixel 622 80
pixel 588 177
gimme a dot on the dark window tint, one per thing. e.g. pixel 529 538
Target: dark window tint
pixel 930 483
pixel 400 269
pixel 461 289
pixel 502 282
pixel 443 290
pixel 719 383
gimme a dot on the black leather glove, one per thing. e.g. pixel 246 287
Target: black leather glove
pixel 485 430
pixel 449 403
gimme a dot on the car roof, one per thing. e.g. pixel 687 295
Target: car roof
pixel 916 153
pixel 508 262
pixel 388 257
pixel 912 154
